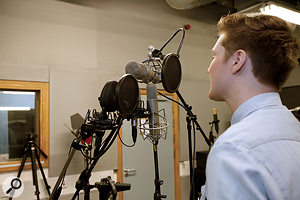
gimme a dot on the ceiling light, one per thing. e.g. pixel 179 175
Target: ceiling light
pixel 274 9
pixel 286 14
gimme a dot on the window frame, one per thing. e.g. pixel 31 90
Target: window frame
pixel 43 88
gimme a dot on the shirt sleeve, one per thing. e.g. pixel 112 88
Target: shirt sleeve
pixel 232 173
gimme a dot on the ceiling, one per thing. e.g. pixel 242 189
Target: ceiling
pixel 222 5
pixel 208 10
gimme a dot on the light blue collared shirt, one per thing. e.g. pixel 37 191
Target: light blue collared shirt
pixel 258 157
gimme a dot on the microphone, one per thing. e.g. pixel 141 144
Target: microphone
pixel 143 72
pixel 296 109
pixel 134 121
pixel 134 129
pixel 215 121
pixel 152 106
pixel 139 111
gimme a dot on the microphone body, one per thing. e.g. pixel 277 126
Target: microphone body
pixel 134 129
pixel 152 106
pixel 143 72
pixel 215 121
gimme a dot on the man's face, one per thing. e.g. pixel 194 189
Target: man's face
pixel 219 72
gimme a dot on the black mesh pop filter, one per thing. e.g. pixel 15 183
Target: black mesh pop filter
pixel 108 96
pixel 122 96
pixel 127 93
pixel 171 73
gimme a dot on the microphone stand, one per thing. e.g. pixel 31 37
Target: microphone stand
pixel 211 135
pixel 157 181
pixel 189 118
pixel 57 189
pixel 83 180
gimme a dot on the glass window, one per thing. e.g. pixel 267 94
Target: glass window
pixel 23 113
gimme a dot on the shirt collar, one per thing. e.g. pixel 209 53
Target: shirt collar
pixel 256 102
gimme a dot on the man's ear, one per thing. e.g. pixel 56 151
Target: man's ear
pixel 239 60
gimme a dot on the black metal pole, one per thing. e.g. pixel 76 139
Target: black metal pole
pixel 191 117
pixel 157 181
pixel 34 175
pixel 26 152
pixel 56 192
pixel 42 171
pixel 189 128
pixel 23 162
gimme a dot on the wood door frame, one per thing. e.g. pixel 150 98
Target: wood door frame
pixel 176 150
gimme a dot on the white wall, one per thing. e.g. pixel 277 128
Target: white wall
pixel 77 49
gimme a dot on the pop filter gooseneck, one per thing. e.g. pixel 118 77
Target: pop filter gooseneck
pixel 171 67
pixel 181 40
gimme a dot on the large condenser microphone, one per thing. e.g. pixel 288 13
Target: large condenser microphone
pixel 152 106
pixel 166 71
pixel 143 72
pixel 215 121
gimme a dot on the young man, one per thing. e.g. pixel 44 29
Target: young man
pixel 258 157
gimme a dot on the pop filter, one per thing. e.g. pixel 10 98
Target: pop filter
pixel 122 95
pixel 127 94
pixel 108 96
pixel 171 73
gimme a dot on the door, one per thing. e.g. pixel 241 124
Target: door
pixel 138 161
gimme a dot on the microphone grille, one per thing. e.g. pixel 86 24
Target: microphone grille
pixel 132 68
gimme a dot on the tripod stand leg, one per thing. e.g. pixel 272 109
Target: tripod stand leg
pixel 86 193
pixel 22 165
pixel 34 175
pixel 23 162
pixel 42 172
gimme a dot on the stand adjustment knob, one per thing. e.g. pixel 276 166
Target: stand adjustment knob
pixel 160 182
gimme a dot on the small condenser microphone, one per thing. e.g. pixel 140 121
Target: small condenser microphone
pixel 134 129
pixel 152 105
pixel 215 121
